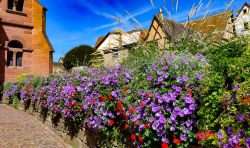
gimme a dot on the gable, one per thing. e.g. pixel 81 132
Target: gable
pixel 117 39
pixel 155 31
pixel 245 6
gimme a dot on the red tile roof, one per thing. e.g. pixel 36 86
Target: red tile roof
pixel 99 40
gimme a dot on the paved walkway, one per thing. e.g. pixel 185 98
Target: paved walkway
pixel 21 130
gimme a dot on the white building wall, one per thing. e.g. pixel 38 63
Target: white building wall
pixel 117 40
pixel 240 20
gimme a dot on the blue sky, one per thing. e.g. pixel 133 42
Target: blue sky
pixel 75 22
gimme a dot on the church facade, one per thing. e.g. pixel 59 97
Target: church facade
pixel 24 45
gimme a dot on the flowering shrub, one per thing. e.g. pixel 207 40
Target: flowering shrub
pixel 164 108
pixel 158 105
pixel 233 120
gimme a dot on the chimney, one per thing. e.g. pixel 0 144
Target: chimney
pixel 161 16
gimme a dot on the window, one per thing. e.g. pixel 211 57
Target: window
pixel 246 26
pixel 15 54
pixel 16 5
pixel 115 54
pixel 15 44
pixel 19 5
pixel 19 59
pixel 10 58
pixel 245 11
pixel 234 29
pixel 10 4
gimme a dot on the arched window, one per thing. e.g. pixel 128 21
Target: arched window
pixel 15 44
pixel 15 54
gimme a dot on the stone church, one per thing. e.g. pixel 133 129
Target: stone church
pixel 24 45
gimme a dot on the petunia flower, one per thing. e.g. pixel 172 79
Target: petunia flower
pixel 220 135
pixel 240 117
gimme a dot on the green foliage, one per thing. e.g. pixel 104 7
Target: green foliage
pixel 78 56
pixel 231 59
pixel 210 110
pixel 23 76
pixel 191 45
pixel 15 102
pixel 142 56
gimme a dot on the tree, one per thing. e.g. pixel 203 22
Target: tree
pixel 78 56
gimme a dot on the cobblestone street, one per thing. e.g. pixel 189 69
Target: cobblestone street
pixel 21 130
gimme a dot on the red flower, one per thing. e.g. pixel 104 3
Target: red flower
pixel 125 90
pixel 76 110
pixel 103 98
pixel 142 105
pixel 145 125
pixel 111 122
pixel 199 136
pixel 246 101
pixel 132 110
pixel 93 101
pixel 120 103
pixel 124 114
pixel 126 126
pixel 208 133
pixel 74 102
pixel 110 97
pixel 140 139
pixel 164 145
pixel 42 94
pixel 190 93
pixel 56 109
pixel 241 101
pixel 177 141
pixel 119 106
pixel 149 95
pixel 133 137
pixel 135 122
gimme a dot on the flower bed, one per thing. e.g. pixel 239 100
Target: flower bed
pixel 158 106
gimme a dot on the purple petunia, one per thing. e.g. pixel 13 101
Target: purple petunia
pixel 236 87
pixel 150 78
pixel 185 61
pixel 248 142
pixel 165 68
pixel 220 135
pixel 156 109
pixel 189 99
pixel 184 78
pixel 233 141
pixel 183 138
pixel 240 117
pixel 241 134
pixel 199 77
pixel 229 131
pixel 160 79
